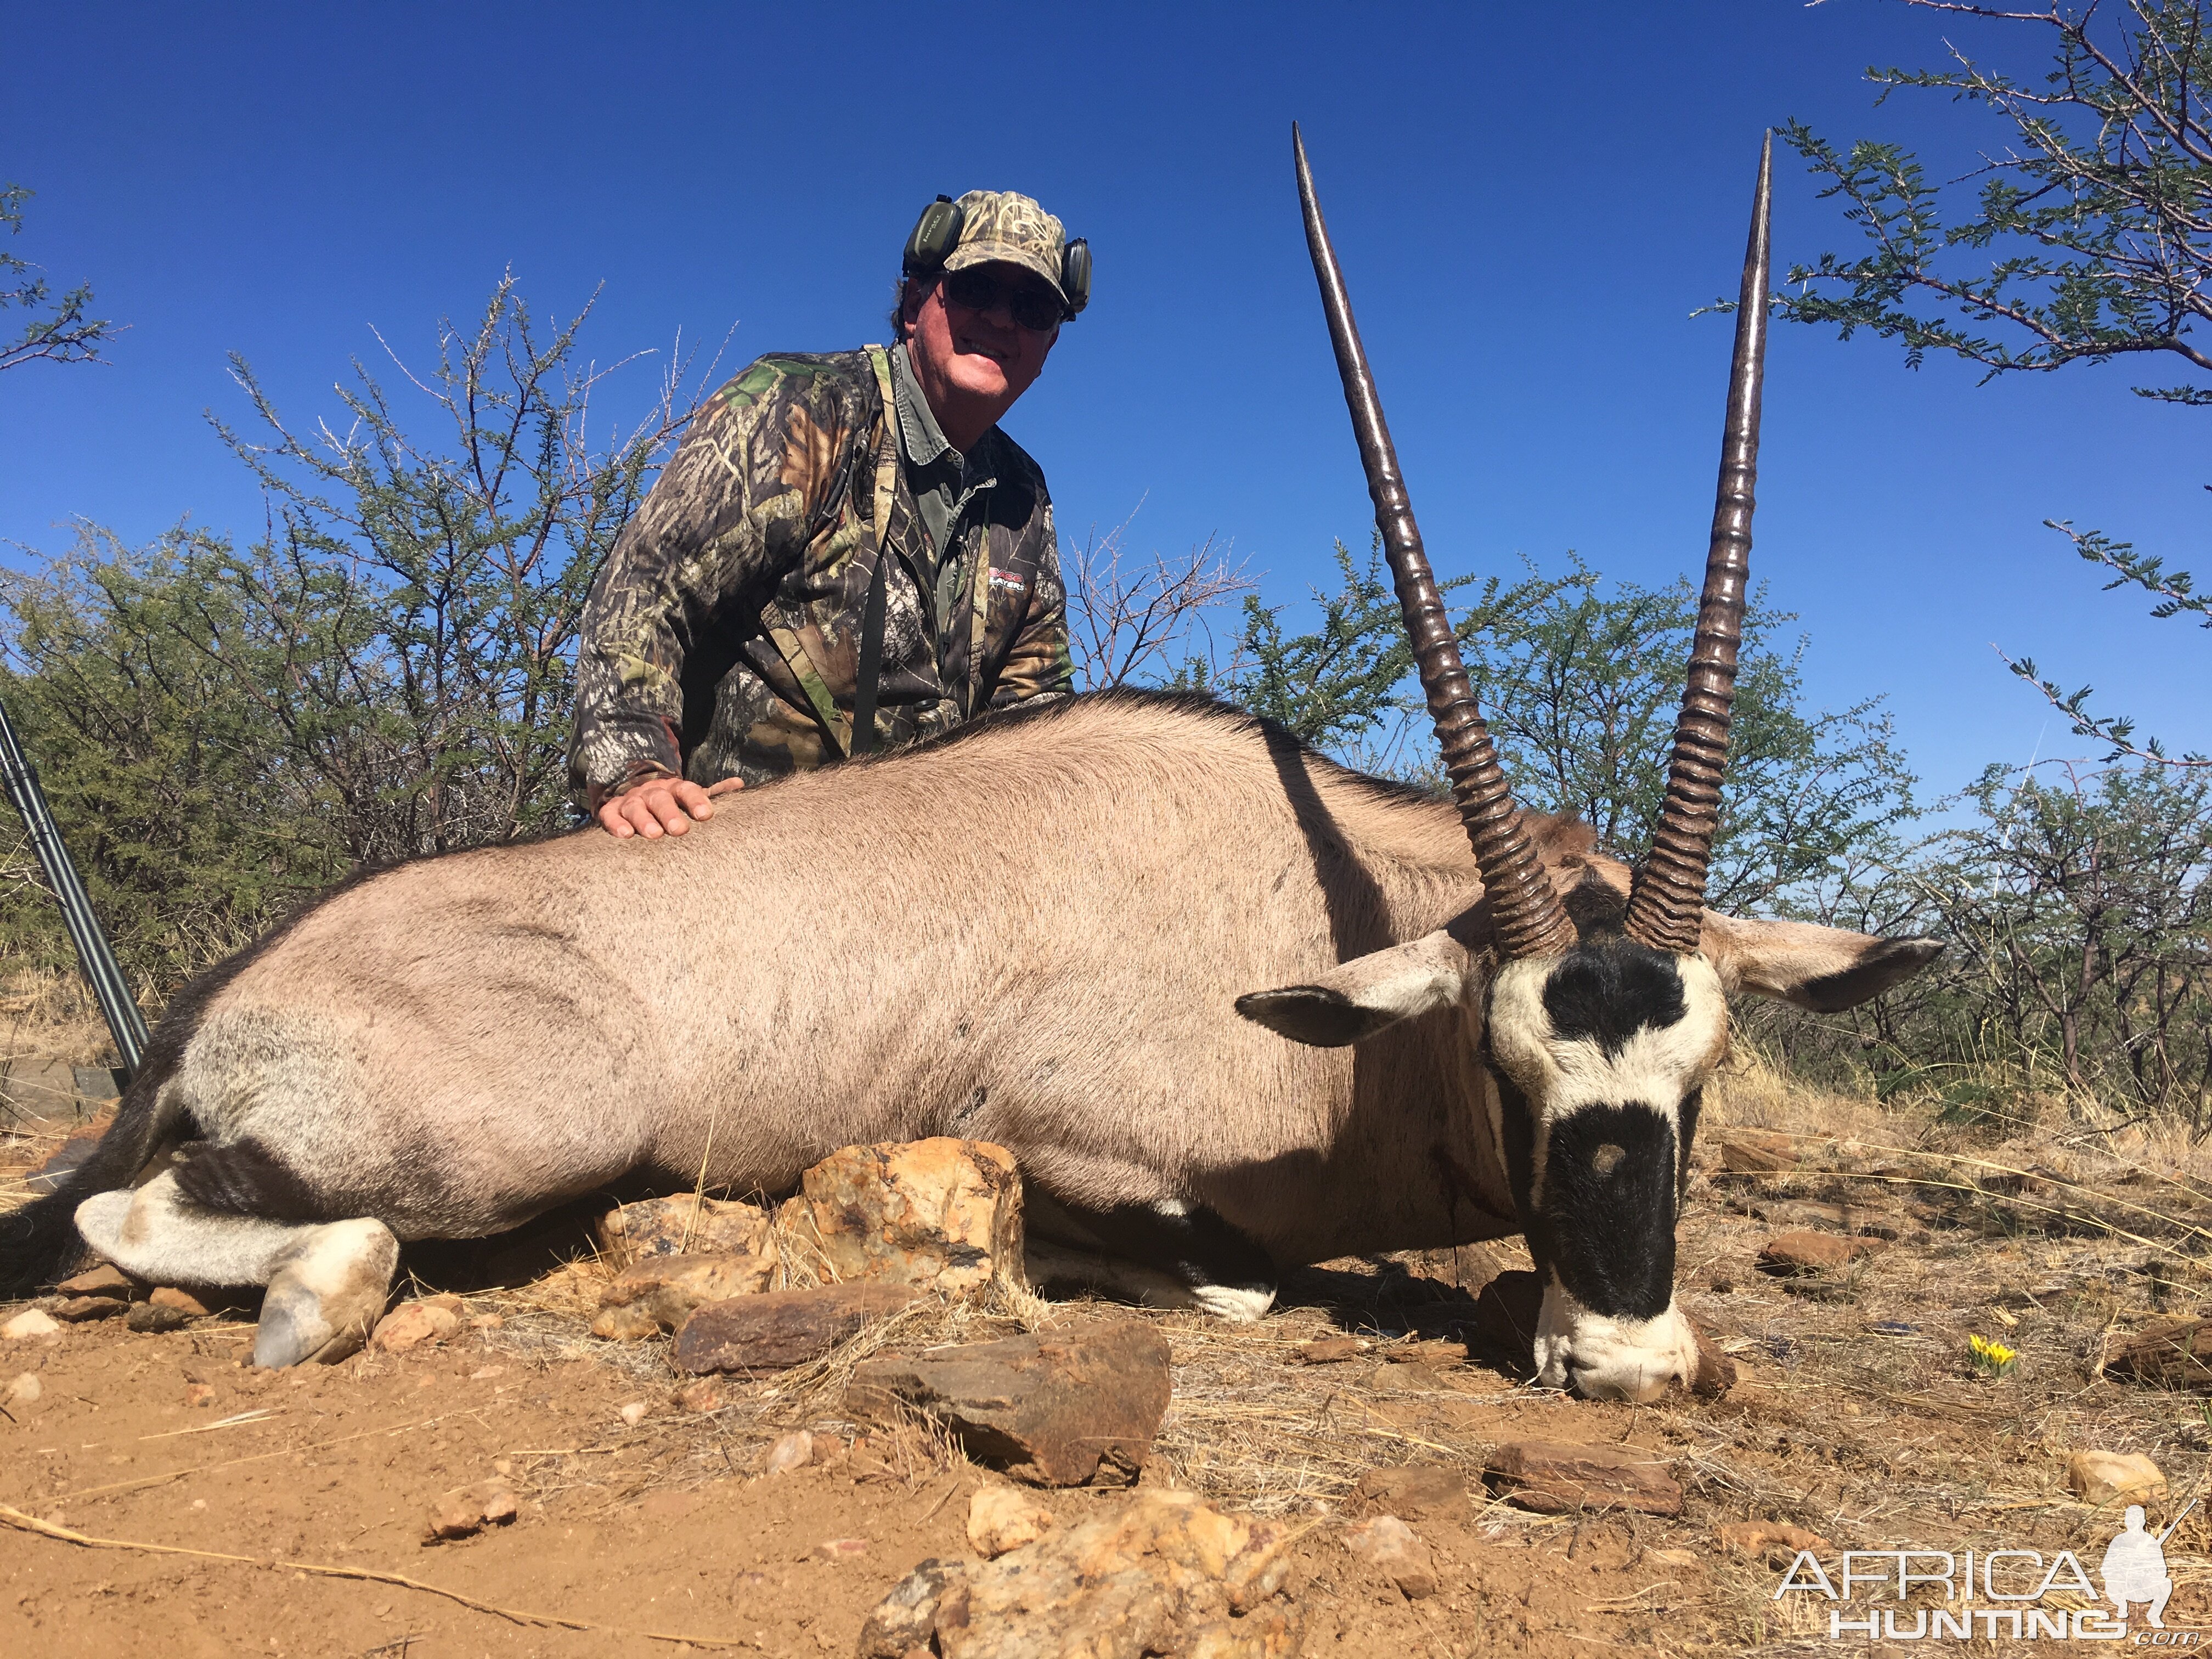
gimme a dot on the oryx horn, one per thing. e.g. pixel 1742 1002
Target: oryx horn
pixel 1526 912
pixel 1666 905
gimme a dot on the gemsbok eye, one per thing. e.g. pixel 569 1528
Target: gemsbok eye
pixel 1607 1158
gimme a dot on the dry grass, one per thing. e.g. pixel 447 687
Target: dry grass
pixel 51 1016
pixel 1865 1421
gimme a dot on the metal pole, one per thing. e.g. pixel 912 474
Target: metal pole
pixel 100 968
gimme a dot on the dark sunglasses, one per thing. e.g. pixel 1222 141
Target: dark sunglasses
pixel 1037 309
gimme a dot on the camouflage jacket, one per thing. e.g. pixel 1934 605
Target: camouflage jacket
pixel 722 639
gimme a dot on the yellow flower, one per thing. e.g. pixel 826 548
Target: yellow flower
pixel 1991 1359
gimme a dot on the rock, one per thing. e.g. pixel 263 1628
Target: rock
pixel 791 1451
pixel 155 1318
pixel 1463 1267
pixel 411 1324
pixel 664 1289
pixel 97 1083
pixel 1056 1408
pixel 1804 1252
pixel 1388 1544
pixel 1162 1573
pixel 29 1323
pixel 168 1296
pixel 1002 1518
pixel 26 1389
pixel 81 1309
pixel 683 1225
pixel 2103 1477
pixel 1505 1313
pixel 635 1414
pixel 1416 1489
pixel 40 1090
pixel 629 1323
pixel 704 1396
pixel 1553 1478
pixel 942 1213
pixel 1330 1350
pixel 1770 1540
pixel 469 1509
pixel 905 1621
pixel 103 1280
pixel 756 1336
pixel 1716 1373
pixel 2167 1353
pixel 841 1549
pixel 1759 1151
pixel 199 1394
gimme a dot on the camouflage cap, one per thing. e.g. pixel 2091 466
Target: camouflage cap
pixel 999 226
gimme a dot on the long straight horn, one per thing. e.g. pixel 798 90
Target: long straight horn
pixel 1524 909
pixel 1666 905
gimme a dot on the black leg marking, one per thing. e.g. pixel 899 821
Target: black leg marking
pixel 245 1178
pixel 1190 1243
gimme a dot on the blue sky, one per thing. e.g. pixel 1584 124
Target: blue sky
pixel 1529 202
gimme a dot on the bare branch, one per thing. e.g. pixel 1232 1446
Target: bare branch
pixel 1127 612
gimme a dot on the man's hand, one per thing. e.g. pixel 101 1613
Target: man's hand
pixel 661 806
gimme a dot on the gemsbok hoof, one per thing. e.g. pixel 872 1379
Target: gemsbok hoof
pixel 327 1295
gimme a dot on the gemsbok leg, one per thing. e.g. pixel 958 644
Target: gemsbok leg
pixel 328 1281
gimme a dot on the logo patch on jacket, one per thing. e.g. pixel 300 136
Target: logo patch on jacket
pixel 1013 581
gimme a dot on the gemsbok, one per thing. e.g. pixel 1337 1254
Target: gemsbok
pixel 1082 931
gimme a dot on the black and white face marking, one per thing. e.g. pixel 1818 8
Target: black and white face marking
pixel 1598 1056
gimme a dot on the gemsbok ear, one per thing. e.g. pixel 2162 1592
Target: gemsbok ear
pixel 1357 999
pixel 1825 970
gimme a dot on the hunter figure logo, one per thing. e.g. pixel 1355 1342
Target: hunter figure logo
pixel 2135 1567
pixel 2002 1594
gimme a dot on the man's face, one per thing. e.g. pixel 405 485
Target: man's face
pixel 976 351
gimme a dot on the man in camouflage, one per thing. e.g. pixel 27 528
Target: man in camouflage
pixel 722 643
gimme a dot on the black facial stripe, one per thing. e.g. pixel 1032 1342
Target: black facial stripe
pixel 1609 1231
pixel 1610 990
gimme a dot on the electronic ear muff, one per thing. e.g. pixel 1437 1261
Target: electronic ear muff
pixel 1075 275
pixel 937 232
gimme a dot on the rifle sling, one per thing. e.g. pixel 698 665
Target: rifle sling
pixel 871 661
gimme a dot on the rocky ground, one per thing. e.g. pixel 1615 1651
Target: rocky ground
pixel 160 1490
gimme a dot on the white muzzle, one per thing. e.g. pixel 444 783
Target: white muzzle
pixel 1600 1356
